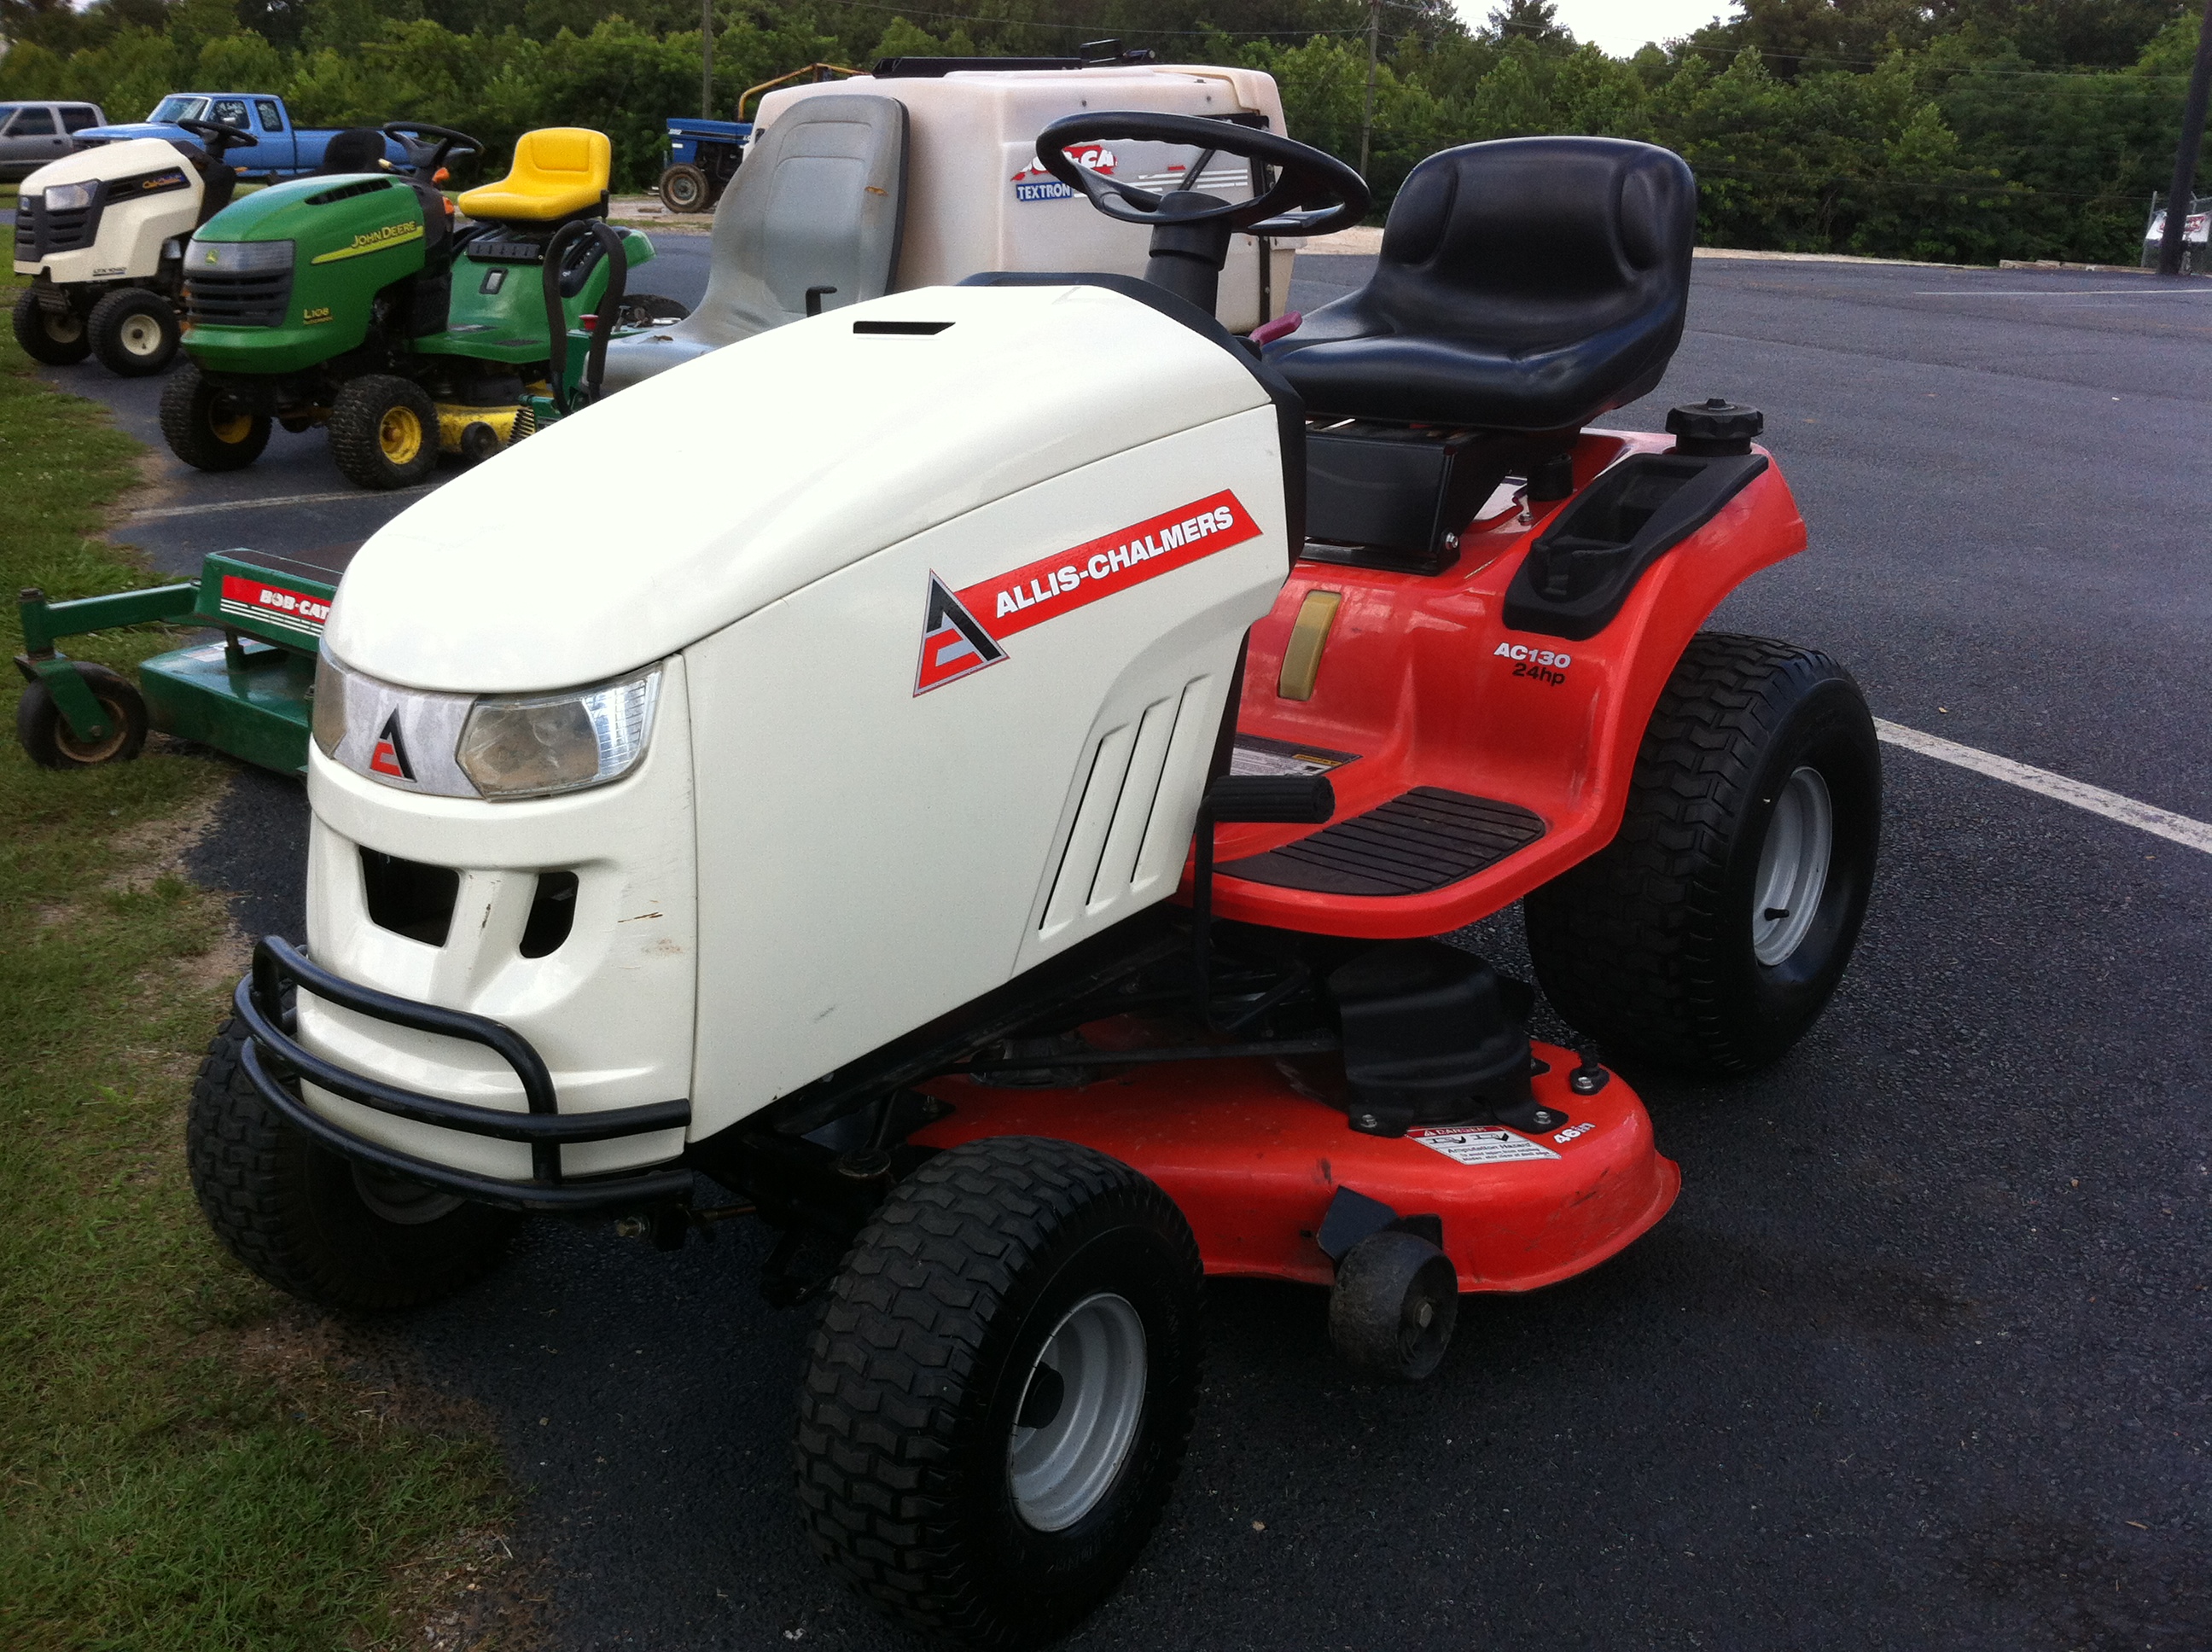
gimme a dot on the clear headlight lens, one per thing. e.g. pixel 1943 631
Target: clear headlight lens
pixel 328 703
pixel 237 258
pixel 68 197
pixel 530 745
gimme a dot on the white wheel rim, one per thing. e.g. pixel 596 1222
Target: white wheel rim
pixel 1793 868
pixel 64 329
pixel 1062 1463
pixel 141 335
pixel 407 1204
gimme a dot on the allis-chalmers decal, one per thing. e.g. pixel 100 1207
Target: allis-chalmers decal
pixel 387 755
pixel 272 605
pixel 963 631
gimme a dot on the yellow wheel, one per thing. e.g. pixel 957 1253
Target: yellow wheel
pixel 208 428
pixel 399 435
pixel 229 429
pixel 384 431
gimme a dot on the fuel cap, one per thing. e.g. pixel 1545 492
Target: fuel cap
pixel 1713 427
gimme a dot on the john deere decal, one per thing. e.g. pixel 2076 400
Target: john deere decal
pixel 389 754
pixel 963 631
pixel 374 241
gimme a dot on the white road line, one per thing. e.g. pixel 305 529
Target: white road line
pixel 2063 292
pixel 163 511
pixel 2160 822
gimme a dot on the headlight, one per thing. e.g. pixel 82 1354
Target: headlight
pixel 530 745
pixel 237 258
pixel 330 703
pixel 68 197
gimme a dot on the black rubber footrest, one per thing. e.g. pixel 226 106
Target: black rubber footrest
pixel 1421 840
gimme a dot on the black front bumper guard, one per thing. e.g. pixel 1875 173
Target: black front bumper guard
pixel 274 1062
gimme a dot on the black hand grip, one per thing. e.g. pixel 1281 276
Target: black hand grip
pixel 1286 799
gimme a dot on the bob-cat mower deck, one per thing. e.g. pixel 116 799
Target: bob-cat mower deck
pixel 1002 836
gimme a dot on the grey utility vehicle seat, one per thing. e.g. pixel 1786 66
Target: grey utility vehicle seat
pixel 816 202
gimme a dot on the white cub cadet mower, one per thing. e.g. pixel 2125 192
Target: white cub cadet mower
pixel 101 235
pixel 998 833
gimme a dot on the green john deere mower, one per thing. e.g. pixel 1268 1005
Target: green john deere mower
pixel 355 302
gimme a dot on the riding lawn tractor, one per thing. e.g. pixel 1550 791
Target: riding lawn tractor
pixel 999 831
pixel 102 233
pixel 353 302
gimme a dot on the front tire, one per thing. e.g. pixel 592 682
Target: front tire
pixel 313 1224
pixel 384 431
pixel 1711 933
pixel 134 332
pixel 55 337
pixel 45 734
pixel 207 427
pixel 1000 1389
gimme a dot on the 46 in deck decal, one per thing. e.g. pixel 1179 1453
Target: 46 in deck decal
pixel 964 631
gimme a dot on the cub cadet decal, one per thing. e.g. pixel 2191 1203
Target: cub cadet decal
pixel 388 756
pixel 1034 183
pixel 1052 586
pixel 1540 665
pixel 272 605
pixel 374 241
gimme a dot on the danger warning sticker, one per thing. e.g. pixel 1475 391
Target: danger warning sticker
pixel 272 605
pixel 1479 1146
pixel 963 631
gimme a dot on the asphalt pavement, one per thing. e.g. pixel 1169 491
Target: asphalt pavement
pixel 1920 1359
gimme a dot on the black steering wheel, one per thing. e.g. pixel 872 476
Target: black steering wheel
pixel 1314 193
pixel 218 136
pixel 416 137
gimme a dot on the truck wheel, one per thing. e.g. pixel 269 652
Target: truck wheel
pixel 45 737
pixel 312 1223
pixel 641 310
pixel 684 188
pixel 1711 934
pixel 134 332
pixel 384 431
pixel 1000 1389
pixel 53 336
pixel 207 427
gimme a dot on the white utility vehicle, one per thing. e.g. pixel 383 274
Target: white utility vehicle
pixel 101 234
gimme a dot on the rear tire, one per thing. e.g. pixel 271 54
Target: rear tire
pixel 685 188
pixel 134 332
pixel 311 1224
pixel 650 310
pixel 1681 942
pixel 57 339
pixel 45 735
pixel 1000 1389
pixel 206 427
pixel 384 431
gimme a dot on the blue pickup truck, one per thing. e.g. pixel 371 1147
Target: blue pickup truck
pixel 280 150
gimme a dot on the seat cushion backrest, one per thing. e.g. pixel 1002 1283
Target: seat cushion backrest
pixel 1547 278
pixel 357 149
pixel 558 172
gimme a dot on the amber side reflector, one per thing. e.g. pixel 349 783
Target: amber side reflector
pixel 1309 636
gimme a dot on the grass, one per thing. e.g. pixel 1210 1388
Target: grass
pixel 183 1466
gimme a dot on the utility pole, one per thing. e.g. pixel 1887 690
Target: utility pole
pixel 1375 27
pixel 2182 193
pixel 706 59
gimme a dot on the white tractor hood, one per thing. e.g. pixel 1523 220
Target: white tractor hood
pixel 671 510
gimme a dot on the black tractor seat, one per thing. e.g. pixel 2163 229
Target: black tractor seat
pixel 1528 284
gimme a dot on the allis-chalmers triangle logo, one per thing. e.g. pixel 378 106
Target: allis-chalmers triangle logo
pixel 963 631
pixel 389 754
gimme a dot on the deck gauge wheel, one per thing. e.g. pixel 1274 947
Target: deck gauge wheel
pixel 45 735
pixel 1393 1307
pixel 1000 1389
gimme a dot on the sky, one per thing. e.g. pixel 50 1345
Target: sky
pixel 1621 26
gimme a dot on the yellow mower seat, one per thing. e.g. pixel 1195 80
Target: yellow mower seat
pixel 557 172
